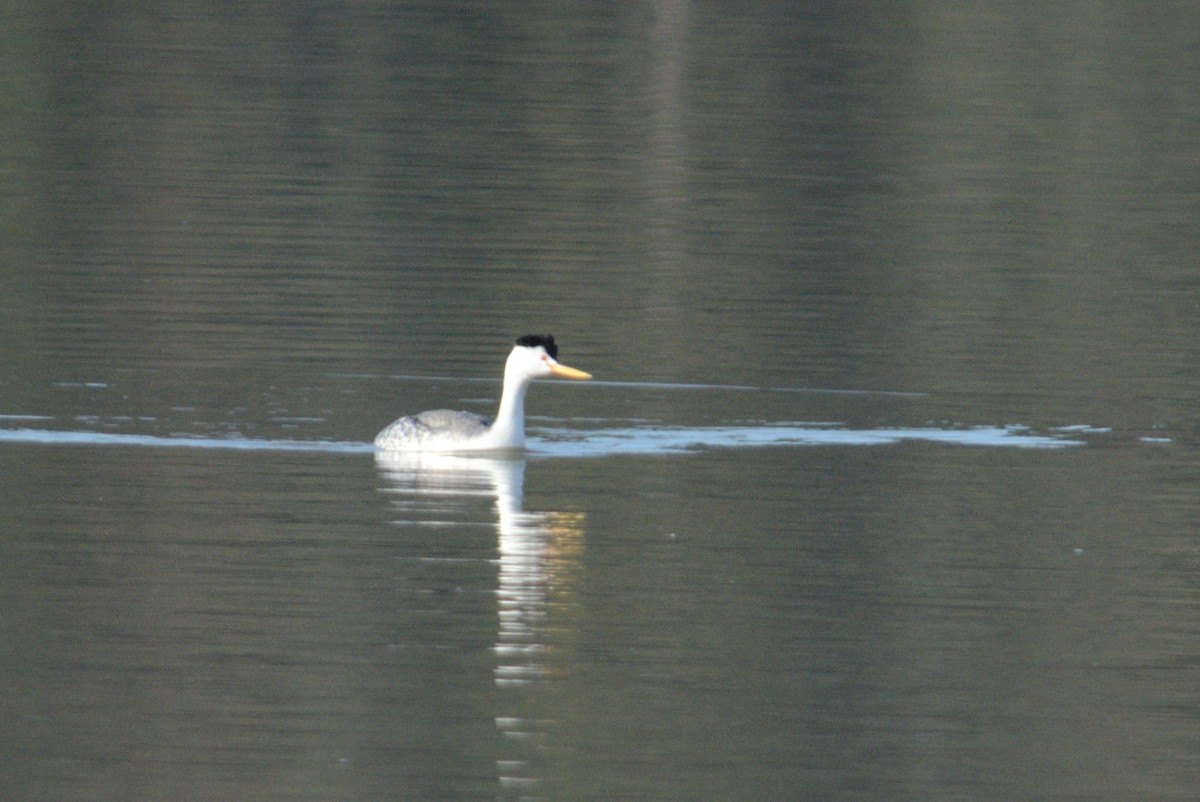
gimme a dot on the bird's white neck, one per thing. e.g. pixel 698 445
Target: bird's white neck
pixel 508 430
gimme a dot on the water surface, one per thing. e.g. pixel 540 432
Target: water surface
pixel 885 489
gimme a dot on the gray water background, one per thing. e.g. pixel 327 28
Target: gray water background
pixel 885 489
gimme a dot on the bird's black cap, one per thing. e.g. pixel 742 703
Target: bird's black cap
pixel 544 340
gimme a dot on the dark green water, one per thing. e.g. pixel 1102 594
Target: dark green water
pixel 885 490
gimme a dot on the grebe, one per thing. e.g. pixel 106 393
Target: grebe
pixel 534 356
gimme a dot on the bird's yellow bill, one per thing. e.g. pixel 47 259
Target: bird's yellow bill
pixel 564 372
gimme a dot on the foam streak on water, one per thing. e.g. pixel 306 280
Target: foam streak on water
pixel 60 438
pixel 605 442
pixel 669 440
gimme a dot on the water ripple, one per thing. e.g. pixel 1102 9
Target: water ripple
pixel 644 440
pixel 60 438
pixel 649 440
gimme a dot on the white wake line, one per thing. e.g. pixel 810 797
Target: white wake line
pixel 610 442
pixel 601 442
pixel 57 438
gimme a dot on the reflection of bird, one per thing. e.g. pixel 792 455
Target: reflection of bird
pixel 535 356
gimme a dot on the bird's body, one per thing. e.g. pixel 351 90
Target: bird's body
pixel 533 357
pixel 426 429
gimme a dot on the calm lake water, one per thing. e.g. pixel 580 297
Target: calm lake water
pixel 886 488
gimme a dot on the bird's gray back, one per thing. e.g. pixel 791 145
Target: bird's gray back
pixel 436 423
